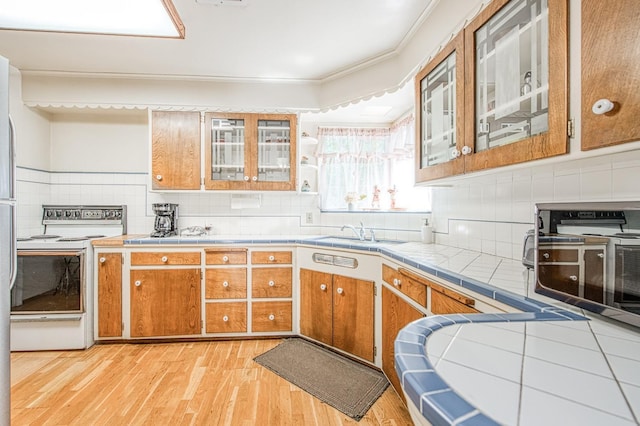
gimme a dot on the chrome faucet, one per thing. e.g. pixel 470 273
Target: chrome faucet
pixel 361 232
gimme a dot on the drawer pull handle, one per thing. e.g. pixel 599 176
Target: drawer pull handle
pixel 159 177
pixel 545 255
pixel 164 259
pixel 103 259
pixel 137 283
pixel 255 178
pixel 225 284
pixel 396 282
pixel 601 255
pixel 272 258
pixel 573 278
pixel 340 290
pixel 271 283
pixel 246 178
pixel 225 258
pixel 225 318
pixel 272 317
pixel 323 287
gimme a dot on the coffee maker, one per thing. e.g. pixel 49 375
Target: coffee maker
pixel 166 223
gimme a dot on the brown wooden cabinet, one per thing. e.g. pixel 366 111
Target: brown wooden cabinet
pixel 338 311
pixel 165 302
pixel 175 150
pixel 250 151
pixel 109 294
pixel 396 313
pixel 610 70
pixel 514 59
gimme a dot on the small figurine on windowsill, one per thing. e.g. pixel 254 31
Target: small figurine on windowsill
pixel 305 186
pixel 392 192
pixel 375 201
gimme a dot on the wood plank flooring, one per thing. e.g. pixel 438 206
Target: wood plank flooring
pixel 192 383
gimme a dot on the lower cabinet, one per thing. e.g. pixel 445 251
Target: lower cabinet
pixel 165 302
pixel 271 316
pixel 396 313
pixel 226 317
pixel 109 281
pixel 338 311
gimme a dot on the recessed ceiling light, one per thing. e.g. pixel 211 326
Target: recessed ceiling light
pixel 154 18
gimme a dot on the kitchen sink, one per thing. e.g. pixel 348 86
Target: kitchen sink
pixel 355 241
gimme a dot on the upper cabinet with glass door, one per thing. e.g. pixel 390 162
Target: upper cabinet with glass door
pixel 439 97
pixel 516 87
pixel 250 151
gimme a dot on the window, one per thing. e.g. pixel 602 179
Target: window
pixel 370 169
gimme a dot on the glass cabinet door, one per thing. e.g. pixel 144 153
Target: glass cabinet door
pixel 512 74
pixel 439 96
pixel 274 150
pixel 226 146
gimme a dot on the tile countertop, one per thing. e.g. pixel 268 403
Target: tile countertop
pixel 552 364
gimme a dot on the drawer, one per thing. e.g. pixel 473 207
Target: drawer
pixel 165 258
pixel 271 282
pixel 557 255
pixel 446 301
pixel 390 275
pixel 226 317
pixel 271 257
pixel 225 256
pixel 411 285
pixel 225 283
pixel 271 316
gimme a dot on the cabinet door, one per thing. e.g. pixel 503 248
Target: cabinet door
pixel 316 305
pixel 396 313
pixel 610 70
pixel 228 141
pixel 439 92
pixel 563 278
pixel 353 316
pixel 516 75
pixel 175 150
pixel 273 157
pixel 165 302
pixel 109 294
pixel 594 275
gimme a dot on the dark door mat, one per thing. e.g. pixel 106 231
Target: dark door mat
pixel 344 384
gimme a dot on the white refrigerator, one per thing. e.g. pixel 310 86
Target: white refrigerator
pixel 7 238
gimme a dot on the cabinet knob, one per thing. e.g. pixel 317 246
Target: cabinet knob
pixel 271 283
pixel 602 106
pixel 601 255
pixel 396 282
pixel 272 317
pixel 323 287
pixel 466 150
pixel 137 283
pixel 272 258
pixel 545 255
pixel 225 258
pixel 225 284
pixel 455 153
pixel 340 290
pixel 225 318
pixel 255 178
pixel 573 278
pixel 158 177
pixel 246 178
pixel 164 259
pixel 103 259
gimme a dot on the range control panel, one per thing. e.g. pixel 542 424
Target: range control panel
pixel 77 214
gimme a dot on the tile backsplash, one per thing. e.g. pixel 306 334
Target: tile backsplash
pixel 486 212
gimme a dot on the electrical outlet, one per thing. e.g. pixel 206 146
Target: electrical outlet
pixel 309 217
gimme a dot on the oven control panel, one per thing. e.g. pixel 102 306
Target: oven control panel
pixel 89 214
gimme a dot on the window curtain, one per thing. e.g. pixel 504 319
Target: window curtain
pixel 353 162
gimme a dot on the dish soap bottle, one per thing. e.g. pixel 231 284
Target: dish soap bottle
pixel 426 232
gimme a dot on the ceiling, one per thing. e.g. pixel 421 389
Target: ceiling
pixel 283 40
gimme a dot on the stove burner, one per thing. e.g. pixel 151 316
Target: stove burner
pixel 44 237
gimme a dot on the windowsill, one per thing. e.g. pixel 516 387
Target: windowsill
pixel 377 211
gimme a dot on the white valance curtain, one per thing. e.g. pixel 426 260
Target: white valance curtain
pixel 354 161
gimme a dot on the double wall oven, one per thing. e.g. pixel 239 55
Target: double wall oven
pixel 52 300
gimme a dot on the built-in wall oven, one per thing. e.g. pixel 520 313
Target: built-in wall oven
pixel 52 299
pixel 627 275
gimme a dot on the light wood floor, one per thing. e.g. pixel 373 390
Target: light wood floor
pixel 196 383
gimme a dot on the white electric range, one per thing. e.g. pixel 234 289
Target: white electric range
pixel 52 300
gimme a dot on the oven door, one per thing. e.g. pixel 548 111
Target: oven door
pixel 49 281
pixel 627 277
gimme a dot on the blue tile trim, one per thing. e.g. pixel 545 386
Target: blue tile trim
pixel 437 402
